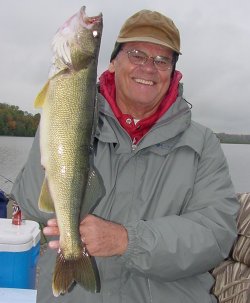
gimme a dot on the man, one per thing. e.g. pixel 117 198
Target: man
pixel 168 215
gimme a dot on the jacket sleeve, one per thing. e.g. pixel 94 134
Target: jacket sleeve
pixel 177 246
pixel 26 188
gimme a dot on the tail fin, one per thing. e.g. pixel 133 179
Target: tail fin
pixel 82 270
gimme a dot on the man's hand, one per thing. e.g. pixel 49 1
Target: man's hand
pixel 101 238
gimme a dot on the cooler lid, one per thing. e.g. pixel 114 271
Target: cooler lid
pixel 18 237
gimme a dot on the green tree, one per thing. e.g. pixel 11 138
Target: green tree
pixel 15 122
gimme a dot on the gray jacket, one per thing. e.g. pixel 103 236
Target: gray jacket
pixel 174 195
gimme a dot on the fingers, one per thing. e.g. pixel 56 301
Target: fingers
pixel 51 229
pixel 52 222
pixel 103 238
pixel 100 238
pixel 54 245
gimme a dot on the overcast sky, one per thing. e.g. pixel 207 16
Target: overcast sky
pixel 215 45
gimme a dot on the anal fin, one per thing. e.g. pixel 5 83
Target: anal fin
pixel 45 202
pixel 94 191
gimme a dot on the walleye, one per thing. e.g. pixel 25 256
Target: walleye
pixel 72 186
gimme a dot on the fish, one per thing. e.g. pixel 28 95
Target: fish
pixel 72 185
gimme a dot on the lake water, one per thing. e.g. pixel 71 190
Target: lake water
pixel 14 152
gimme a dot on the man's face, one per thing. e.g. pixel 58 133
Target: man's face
pixel 140 88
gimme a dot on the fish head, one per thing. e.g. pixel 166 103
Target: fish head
pixel 76 43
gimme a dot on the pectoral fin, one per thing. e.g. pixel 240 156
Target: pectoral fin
pixel 45 202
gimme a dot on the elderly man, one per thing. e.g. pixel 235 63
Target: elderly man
pixel 168 215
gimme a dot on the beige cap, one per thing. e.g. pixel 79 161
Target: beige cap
pixel 149 26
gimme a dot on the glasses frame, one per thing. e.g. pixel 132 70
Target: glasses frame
pixel 146 59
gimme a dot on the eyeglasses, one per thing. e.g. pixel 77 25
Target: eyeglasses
pixel 140 58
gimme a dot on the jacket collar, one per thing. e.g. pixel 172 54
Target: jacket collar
pixel 170 131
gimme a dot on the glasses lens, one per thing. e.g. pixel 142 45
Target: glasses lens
pixel 162 63
pixel 137 57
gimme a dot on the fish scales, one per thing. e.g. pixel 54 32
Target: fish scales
pixel 72 185
pixel 71 147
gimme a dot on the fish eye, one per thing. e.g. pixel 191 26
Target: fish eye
pixel 95 33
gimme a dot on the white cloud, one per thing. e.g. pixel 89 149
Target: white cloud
pixel 215 46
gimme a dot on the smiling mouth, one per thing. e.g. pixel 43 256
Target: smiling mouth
pixel 145 82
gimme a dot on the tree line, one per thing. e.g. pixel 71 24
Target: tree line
pixel 15 122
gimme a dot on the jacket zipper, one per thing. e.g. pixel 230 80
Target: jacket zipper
pixel 133 145
pixel 149 290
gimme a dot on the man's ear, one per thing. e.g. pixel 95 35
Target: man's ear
pixel 111 67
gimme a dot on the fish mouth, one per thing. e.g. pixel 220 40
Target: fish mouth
pixel 89 22
pixel 144 82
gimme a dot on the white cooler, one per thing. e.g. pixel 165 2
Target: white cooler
pixel 19 252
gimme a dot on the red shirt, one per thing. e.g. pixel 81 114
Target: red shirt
pixel 138 130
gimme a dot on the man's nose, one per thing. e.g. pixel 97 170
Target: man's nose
pixel 150 62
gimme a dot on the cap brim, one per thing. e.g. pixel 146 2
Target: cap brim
pixel 147 39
